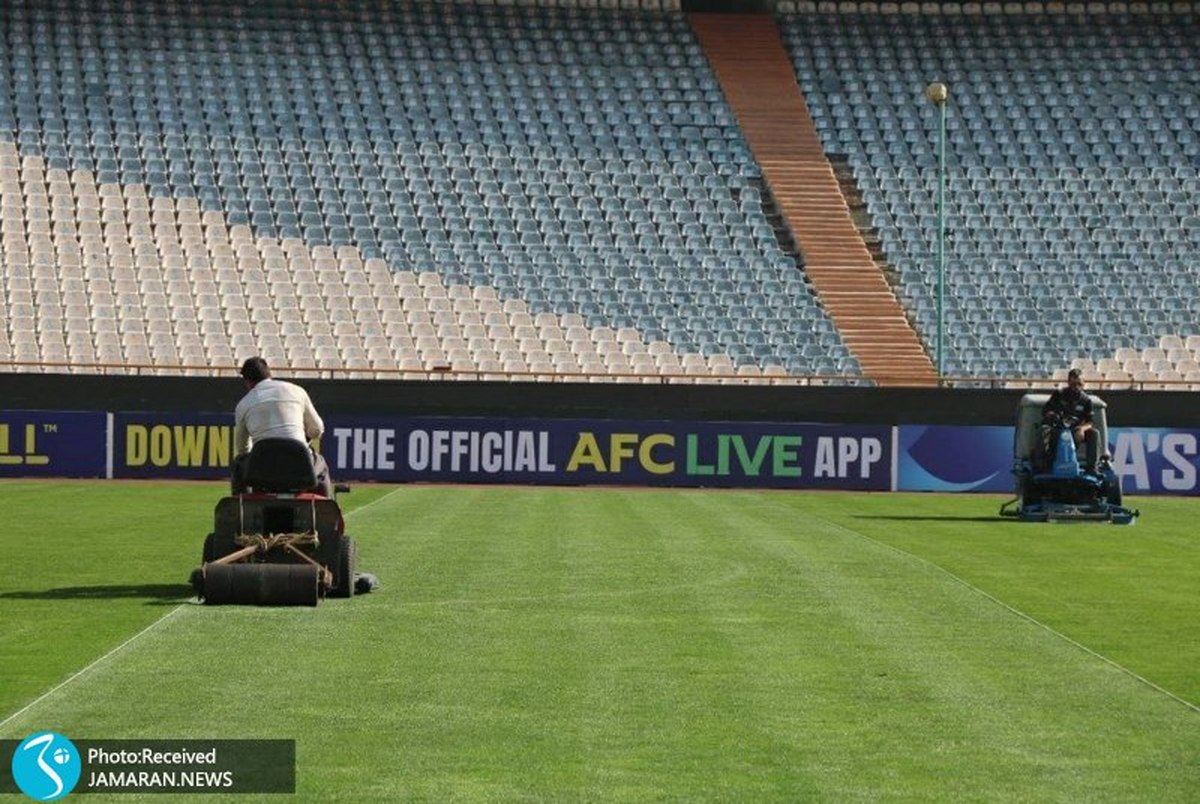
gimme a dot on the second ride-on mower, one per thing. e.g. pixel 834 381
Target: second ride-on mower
pixel 278 542
pixel 1052 485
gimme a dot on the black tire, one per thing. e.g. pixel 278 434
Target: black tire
pixel 344 569
pixel 210 549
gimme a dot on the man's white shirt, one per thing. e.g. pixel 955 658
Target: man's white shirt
pixel 275 409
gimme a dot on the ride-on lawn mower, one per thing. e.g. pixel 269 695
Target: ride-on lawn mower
pixel 1054 487
pixel 277 543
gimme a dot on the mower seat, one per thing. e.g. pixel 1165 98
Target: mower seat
pixel 280 465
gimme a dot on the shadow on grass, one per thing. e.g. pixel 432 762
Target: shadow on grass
pixel 935 518
pixel 153 593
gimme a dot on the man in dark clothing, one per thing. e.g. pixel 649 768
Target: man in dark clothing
pixel 1071 407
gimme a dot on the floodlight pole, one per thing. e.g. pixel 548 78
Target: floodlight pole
pixel 938 94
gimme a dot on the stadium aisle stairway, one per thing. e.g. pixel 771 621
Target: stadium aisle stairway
pixel 747 55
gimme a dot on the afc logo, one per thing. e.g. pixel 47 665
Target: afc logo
pixel 25 452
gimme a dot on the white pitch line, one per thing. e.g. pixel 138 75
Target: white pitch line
pixel 138 635
pixel 91 666
pixel 1029 618
pixel 376 501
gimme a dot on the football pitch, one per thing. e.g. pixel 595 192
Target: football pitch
pixel 631 645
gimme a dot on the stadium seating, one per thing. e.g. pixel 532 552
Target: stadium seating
pixel 496 189
pixel 554 190
pixel 1073 165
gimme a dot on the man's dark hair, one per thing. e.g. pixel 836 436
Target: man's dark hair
pixel 255 369
pixel 1074 374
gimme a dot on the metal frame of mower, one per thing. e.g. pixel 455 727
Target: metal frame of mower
pixel 279 546
pixel 1064 491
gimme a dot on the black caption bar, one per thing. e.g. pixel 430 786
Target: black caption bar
pixel 175 766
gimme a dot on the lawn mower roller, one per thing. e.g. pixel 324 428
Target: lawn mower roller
pixel 1055 487
pixel 277 543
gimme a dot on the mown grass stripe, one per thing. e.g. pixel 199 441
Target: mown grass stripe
pixel 372 500
pixel 1017 612
pixel 92 665
pixel 575 644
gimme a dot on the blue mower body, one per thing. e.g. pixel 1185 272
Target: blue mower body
pixel 1063 491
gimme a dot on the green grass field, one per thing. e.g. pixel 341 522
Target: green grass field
pixel 574 644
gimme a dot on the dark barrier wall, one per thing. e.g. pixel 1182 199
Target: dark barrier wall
pixel 728 6
pixel 580 400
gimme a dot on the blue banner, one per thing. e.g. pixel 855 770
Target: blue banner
pixel 948 458
pixel 551 452
pixel 196 446
pixel 1149 460
pixel 52 443
pixel 1155 460
pixel 584 452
